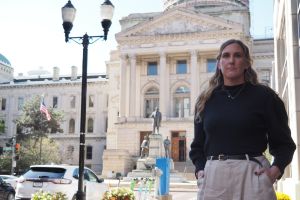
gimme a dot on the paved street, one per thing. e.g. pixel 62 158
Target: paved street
pixel 179 191
pixel 184 195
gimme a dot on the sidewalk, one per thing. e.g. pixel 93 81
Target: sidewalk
pixel 189 186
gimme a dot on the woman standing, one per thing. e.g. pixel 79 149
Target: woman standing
pixel 236 119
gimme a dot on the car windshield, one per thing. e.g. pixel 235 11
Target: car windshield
pixel 45 172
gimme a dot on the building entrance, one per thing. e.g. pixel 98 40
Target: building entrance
pixel 178 148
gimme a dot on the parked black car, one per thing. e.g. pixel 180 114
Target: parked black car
pixel 7 192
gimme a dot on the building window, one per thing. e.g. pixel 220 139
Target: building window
pixel 3 103
pixel 2 126
pixel 90 125
pixel 70 151
pixel 181 67
pixel 182 102
pixel 20 103
pixel 298 17
pixel 19 130
pixel 54 102
pixel 89 152
pixel 72 126
pixel 152 68
pixel 265 76
pixel 91 101
pixel 73 102
pixel 106 124
pixel 211 65
pixel 151 101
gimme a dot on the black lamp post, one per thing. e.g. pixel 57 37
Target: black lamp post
pixel 68 15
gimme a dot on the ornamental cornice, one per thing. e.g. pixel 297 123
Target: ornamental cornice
pixel 176 21
pixel 50 85
pixel 145 123
pixel 7 69
pixel 177 3
pixel 75 136
pixel 195 38
pixel 263 56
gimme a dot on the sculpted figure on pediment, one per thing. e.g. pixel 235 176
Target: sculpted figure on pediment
pixel 179 26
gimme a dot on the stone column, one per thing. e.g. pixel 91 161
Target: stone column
pixel 123 75
pixel 194 79
pixel 132 88
pixel 163 85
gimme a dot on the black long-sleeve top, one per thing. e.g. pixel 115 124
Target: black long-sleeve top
pixel 254 119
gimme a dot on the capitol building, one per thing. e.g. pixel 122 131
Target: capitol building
pixel 163 59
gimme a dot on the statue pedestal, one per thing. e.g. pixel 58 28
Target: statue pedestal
pixel 155 146
pixel 140 164
pixel 145 165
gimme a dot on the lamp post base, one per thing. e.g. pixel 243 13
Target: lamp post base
pixel 80 195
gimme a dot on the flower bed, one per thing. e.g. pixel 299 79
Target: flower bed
pixel 119 194
pixel 41 195
pixel 282 196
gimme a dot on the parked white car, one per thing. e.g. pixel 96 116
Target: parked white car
pixel 59 178
pixel 12 180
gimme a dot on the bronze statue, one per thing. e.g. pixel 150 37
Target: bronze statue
pixel 156 115
pixel 167 144
pixel 145 147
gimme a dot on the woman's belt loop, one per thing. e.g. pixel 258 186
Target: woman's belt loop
pixel 247 156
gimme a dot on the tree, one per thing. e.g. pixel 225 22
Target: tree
pixel 30 154
pixel 33 129
pixel 2 126
pixel 5 163
pixel 34 123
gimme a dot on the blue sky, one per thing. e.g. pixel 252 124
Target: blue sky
pixel 32 36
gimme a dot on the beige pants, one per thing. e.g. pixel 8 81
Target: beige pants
pixel 235 180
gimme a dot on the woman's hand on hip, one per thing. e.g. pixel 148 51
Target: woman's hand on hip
pixel 200 174
pixel 273 172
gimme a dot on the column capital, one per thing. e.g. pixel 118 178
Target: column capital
pixel 194 52
pixel 132 56
pixel 162 54
pixel 124 56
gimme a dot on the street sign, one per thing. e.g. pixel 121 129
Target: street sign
pixel 7 148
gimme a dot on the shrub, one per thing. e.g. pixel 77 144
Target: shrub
pixel 41 195
pixel 282 196
pixel 119 194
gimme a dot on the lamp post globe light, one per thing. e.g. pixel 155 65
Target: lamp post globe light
pixel 68 16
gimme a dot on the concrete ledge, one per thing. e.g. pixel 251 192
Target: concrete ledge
pixel 190 186
pixel 165 197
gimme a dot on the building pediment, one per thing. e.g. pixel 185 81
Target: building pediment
pixel 179 21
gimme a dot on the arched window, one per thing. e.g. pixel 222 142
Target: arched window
pixel 182 102
pixel 72 126
pixel 151 100
pixel 90 125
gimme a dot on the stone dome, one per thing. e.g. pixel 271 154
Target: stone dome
pixel 4 60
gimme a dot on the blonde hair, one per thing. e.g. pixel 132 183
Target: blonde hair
pixel 217 79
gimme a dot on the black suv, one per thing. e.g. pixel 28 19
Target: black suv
pixel 7 192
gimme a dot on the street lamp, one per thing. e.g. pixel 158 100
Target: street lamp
pixel 68 15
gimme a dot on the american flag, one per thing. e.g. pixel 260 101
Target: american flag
pixel 44 109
